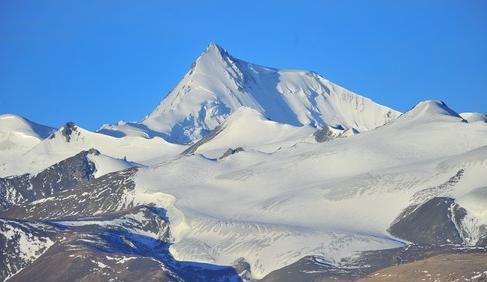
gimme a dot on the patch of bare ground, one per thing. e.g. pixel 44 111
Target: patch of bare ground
pixel 439 268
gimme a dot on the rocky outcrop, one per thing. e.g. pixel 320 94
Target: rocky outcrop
pixel 436 222
pixel 15 190
pixel 109 193
pixel 323 135
pixel 99 238
pixel 231 151
pixel 367 264
pixel 21 243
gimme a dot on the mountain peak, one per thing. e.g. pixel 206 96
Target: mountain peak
pixel 67 131
pixel 213 59
pixel 16 123
pixel 434 107
pixel 218 84
pixel 430 110
pixel 215 48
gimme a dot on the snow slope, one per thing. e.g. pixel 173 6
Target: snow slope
pixel 430 110
pixel 17 135
pixel 471 193
pixel 330 199
pixel 250 130
pixel 474 117
pixel 71 139
pixel 106 164
pixel 285 195
pixel 218 84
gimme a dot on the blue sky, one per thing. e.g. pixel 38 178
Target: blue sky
pixel 95 62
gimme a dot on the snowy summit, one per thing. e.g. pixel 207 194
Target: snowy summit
pixel 218 84
pixel 248 173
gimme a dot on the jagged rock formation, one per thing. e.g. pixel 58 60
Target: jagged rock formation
pixel 109 193
pixel 62 176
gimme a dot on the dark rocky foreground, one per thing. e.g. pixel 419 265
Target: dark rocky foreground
pixel 442 267
pixel 435 219
pixel 367 264
pixel 111 248
pixel 89 230
pixel 70 226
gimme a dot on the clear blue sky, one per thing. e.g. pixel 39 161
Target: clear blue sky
pixel 95 62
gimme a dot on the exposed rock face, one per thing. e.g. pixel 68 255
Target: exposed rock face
pixel 21 243
pixel 95 232
pixel 322 135
pixel 231 151
pixel 434 218
pixel 436 222
pixel 310 269
pixel 243 269
pixel 62 176
pixel 15 189
pixel 103 248
pixel 68 129
pixel 130 245
pixel 105 194
pixel 367 264
pixel 482 241
pixel 62 263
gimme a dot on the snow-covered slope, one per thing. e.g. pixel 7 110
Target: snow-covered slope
pixel 429 111
pixel 218 84
pixel 329 199
pixel 261 189
pixel 248 129
pixel 474 117
pixel 17 135
pixel 106 164
pixel 71 139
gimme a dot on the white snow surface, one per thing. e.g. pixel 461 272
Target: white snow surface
pixel 286 196
pixel 106 164
pixel 18 134
pixel 330 199
pixel 474 117
pixel 249 129
pixel 56 148
pixel 218 84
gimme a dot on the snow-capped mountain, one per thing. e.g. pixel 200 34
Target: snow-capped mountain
pixel 431 110
pixel 288 177
pixel 18 134
pixel 218 84
pixel 341 196
pixel 71 139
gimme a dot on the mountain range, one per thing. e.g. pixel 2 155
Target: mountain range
pixel 218 84
pixel 248 173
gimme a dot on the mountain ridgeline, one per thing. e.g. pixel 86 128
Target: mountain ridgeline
pixel 248 173
pixel 218 84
